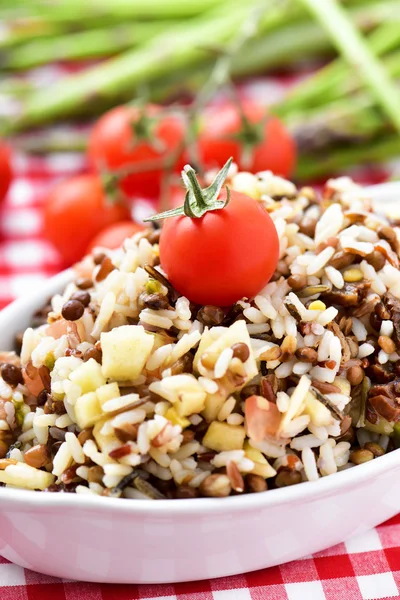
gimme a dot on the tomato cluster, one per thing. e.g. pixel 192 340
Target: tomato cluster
pixel 129 150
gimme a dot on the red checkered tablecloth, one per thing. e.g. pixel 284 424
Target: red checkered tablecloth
pixel 363 568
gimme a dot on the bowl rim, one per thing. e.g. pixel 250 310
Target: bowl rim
pixel 329 485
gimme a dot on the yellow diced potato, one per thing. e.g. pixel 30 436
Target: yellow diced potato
pixel 125 352
pixel 205 342
pixel 223 437
pixel 25 476
pixel 107 392
pixel 104 442
pixel 213 404
pixel 234 334
pixel 88 376
pixel 87 410
pixel 343 384
pixel 176 419
pixel 184 391
pixel 319 414
pixel 261 465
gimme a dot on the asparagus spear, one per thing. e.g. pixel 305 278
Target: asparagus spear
pixel 75 10
pixel 178 47
pixel 350 43
pixel 81 45
pixel 311 166
pixel 335 80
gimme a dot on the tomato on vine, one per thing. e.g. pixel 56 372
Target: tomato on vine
pixel 140 141
pixel 6 173
pixel 75 211
pixel 220 246
pixel 256 140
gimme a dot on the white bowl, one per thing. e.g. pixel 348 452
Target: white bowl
pixel 142 541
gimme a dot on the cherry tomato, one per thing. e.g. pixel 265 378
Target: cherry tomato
pixel 75 211
pixel 225 255
pixel 114 235
pixel 269 145
pixel 126 137
pixel 5 169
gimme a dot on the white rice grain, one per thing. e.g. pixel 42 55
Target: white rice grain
pixel 222 364
pixel 365 350
pixel 335 277
pixel 305 441
pixel 359 329
pixel 310 466
pixel 326 462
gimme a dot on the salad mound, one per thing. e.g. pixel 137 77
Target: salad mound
pixel 124 387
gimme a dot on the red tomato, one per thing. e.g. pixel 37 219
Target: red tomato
pixel 75 211
pixel 5 169
pixel 222 256
pixel 273 149
pixel 114 235
pixel 115 142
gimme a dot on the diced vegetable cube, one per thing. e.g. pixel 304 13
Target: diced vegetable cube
pixel 261 465
pixel 125 352
pixel 88 376
pixel 223 437
pixel 25 476
pixel 87 410
pixel 184 391
pixel 107 392
pixel 319 414
pixel 176 419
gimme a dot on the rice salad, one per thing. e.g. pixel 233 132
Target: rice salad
pixel 124 388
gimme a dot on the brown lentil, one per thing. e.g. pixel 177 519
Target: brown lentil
pixel 95 474
pixel 84 283
pixel 256 483
pixel 375 448
pixel 297 282
pixel 210 315
pixel 85 435
pixel 241 351
pixel 215 486
pixel 187 436
pixel 357 457
pixel 72 310
pixel 37 456
pixel 387 233
pixel 82 297
pixel 387 344
pixel 287 477
pixel 93 353
pixel 185 491
pixel 11 374
pixel 105 269
pixel 355 375
pixel 308 355
pixel 325 388
pixel 98 258
pixel 376 259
